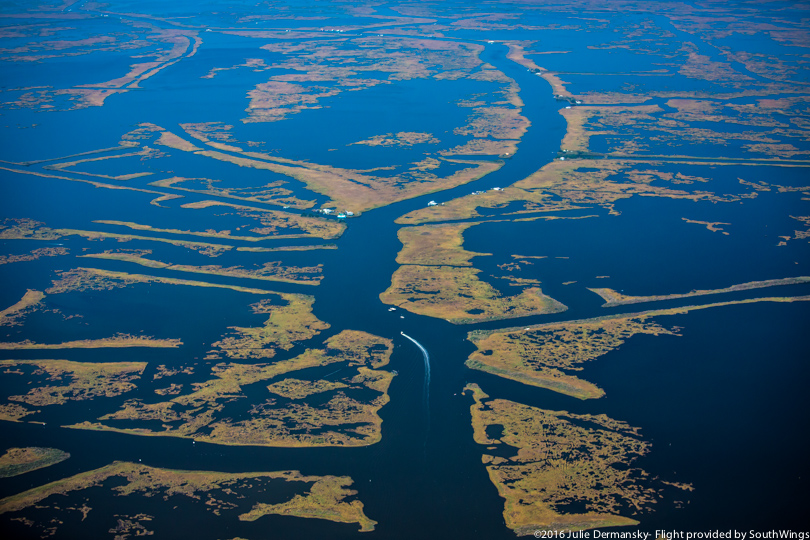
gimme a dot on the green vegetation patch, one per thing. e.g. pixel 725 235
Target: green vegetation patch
pixel 298 389
pixel 18 461
pixel 320 497
pixel 435 245
pixel 269 271
pixel 344 414
pixel 83 279
pixel 118 341
pixel 561 460
pixel 458 296
pixel 13 315
pixel 538 356
pixel 614 298
pixel 79 380
pixel 286 325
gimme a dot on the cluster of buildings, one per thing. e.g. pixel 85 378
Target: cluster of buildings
pixel 331 211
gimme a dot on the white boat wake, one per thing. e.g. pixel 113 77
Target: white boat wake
pixel 427 369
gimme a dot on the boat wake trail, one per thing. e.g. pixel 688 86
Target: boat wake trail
pixel 426 400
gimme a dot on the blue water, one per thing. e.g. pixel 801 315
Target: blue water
pixel 739 373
